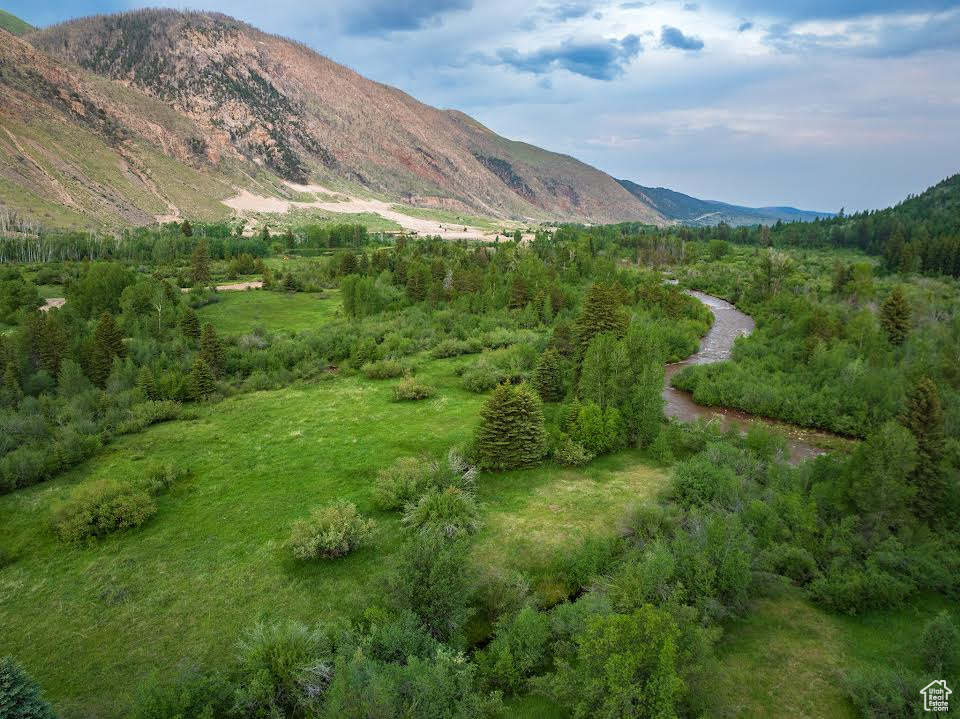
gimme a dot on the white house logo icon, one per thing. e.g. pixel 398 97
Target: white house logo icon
pixel 936 696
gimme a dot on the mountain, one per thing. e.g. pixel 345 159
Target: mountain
pixel 698 213
pixel 14 25
pixel 123 118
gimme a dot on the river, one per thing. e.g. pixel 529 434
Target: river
pixel 717 346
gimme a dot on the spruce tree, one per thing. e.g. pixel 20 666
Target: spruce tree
pixel 602 312
pixel 511 432
pixel 190 324
pixel 348 264
pixel 107 346
pixel 548 378
pixel 147 384
pixel 53 344
pixel 20 697
pixel 265 234
pixel 201 380
pixel 211 349
pixel 12 389
pixel 200 264
pixel 519 293
pixel 895 316
pixel 185 229
pixel 923 416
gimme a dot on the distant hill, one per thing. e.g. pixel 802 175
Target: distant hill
pixel 708 213
pixel 157 113
pixel 14 25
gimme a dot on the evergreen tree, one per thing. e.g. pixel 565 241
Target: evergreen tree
pixel 265 234
pixel 201 380
pixel 562 339
pixel 511 432
pixel 602 312
pixel 290 282
pixel 348 264
pixel 923 416
pixel 605 377
pixel 418 282
pixel 185 229
pixel 211 349
pixel 20 696
pixel 895 316
pixel 519 292
pixel 288 239
pixel 12 389
pixel 147 384
pixel 548 379
pixel 200 264
pixel 107 346
pixel 190 324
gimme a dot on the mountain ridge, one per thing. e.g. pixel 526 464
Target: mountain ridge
pixel 252 107
pixel 693 211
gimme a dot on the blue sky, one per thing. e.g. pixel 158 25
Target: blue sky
pixel 814 103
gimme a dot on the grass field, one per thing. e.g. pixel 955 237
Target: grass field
pixel 454 218
pixel 789 658
pixel 211 562
pixel 240 312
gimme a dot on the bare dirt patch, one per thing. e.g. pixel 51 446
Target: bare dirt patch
pixel 246 201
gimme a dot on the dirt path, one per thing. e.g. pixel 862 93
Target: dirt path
pixel 235 287
pixel 53 302
pixel 246 201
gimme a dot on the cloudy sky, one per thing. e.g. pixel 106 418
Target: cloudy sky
pixel 814 103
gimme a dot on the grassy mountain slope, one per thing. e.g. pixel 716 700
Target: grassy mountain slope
pixel 693 211
pixel 261 101
pixel 13 25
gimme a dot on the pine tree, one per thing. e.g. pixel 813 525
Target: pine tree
pixel 147 384
pixel 602 312
pixel 212 352
pixel 107 346
pixel 895 316
pixel 190 324
pixel 11 383
pixel 348 264
pixel 200 264
pixel 202 383
pixel 511 432
pixel 548 378
pixel 20 697
pixel 519 293
pixel 923 416
pixel 265 234
pixel 185 229
pixel 53 344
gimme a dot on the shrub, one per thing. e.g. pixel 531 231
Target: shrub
pixel 856 589
pixel 455 348
pixel 190 694
pixel 482 375
pixel 450 512
pixel 520 649
pixel 145 414
pixel 20 696
pixel 939 644
pixel 432 579
pixel 788 560
pixel 409 389
pixel 160 478
pixel 570 453
pixel 283 670
pixel 384 369
pixel 880 692
pixel 330 532
pixel 409 478
pixel 99 508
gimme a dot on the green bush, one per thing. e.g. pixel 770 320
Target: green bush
pixel 147 413
pixel 283 670
pixel 20 696
pixel 570 453
pixel 99 508
pixel 882 693
pixel 791 561
pixel 410 389
pixel 190 694
pixel 406 480
pixel 939 644
pixel 482 375
pixel 520 649
pixel 329 532
pixel 450 512
pixel 160 478
pixel 385 369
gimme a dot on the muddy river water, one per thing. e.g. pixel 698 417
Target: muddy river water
pixel 729 324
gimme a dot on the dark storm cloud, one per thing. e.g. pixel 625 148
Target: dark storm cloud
pixel 596 59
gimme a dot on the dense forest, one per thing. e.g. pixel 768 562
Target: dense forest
pixel 563 341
